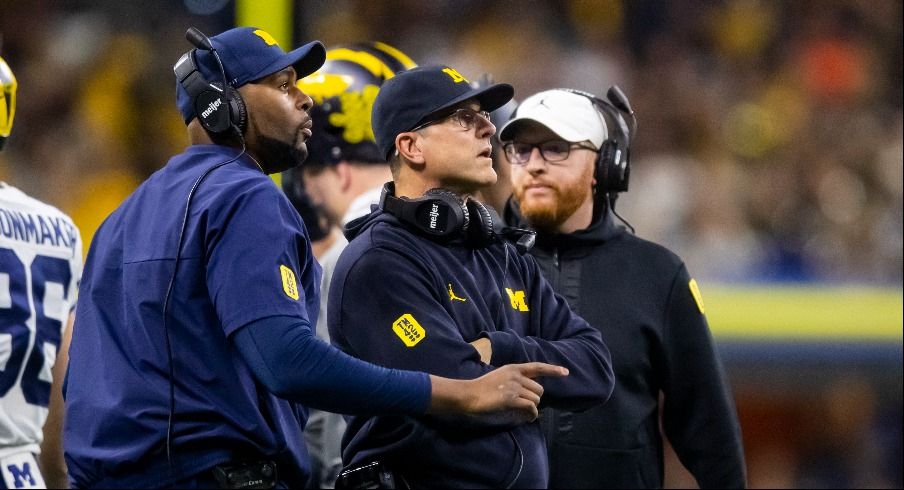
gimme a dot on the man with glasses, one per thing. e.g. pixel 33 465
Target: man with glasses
pixel 442 290
pixel 638 294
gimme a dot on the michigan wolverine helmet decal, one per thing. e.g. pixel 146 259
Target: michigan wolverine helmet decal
pixel 8 87
pixel 343 91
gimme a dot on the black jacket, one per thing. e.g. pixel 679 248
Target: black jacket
pixel 640 296
pixel 403 301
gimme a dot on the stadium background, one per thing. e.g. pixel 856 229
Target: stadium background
pixel 769 156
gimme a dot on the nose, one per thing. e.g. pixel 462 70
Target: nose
pixel 305 101
pixel 535 162
pixel 485 127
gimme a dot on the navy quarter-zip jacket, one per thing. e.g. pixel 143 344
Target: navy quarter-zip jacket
pixel 401 300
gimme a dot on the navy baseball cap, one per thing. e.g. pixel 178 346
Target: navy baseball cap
pixel 248 54
pixel 413 96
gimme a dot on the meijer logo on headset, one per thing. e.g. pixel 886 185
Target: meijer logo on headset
pixel 434 214
pixel 211 107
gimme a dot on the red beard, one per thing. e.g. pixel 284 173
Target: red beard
pixel 548 213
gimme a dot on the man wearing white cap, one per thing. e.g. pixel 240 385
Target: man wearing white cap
pixel 569 155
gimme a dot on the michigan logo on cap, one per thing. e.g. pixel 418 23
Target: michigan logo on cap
pixel 266 37
pixel 456 77
pixel 288 282
pixel 409 330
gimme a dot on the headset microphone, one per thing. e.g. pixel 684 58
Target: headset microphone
pixel 620 100
pixel 197 38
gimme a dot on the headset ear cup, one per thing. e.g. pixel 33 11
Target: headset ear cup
pixel 481 230
pixel 608 167
pixel 452 199
pixel 625 174
pixel 238 114
pixel 212 109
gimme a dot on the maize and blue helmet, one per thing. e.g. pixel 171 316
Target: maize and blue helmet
pixel 343 91
pixel 8 87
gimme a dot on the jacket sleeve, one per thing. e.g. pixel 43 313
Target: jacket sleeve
pixel 699 416
pixel 385 309
pixel 558 336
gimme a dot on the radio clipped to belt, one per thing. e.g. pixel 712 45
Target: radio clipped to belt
pixel 246 474
pixel 370 476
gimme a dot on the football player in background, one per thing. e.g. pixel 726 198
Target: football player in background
pixel 40 267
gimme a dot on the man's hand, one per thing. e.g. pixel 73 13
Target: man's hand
pixel 508 392
pixel 484 348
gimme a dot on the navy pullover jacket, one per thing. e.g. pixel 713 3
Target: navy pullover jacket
pixel 640 296
pixel 401 300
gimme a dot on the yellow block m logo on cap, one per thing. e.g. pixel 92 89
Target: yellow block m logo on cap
pixel 456 77
pixel 517 299
pixel 266 37
pixel 409 330
pixel 288 282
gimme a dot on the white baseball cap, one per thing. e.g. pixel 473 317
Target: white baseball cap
pixel 571 116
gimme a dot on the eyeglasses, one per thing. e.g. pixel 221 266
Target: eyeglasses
pixel 552 151
pixel 465 117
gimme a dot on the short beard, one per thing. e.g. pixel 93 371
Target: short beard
pixel 548 216
pixel 279 156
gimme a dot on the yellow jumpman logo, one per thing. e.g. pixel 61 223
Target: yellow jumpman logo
pixel 452 295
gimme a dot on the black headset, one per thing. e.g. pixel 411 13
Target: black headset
pixel 442 215
pixel 613 168
pixel 219 107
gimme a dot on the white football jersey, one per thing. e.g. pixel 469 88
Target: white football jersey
pixel 40 268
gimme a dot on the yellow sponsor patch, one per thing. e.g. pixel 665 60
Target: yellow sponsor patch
pixel 696 292
pixel 517 299
pixel 409 330
pixel 288 282
pixel 456 77
pixel 266 37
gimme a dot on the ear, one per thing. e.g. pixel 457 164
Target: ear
pixel 408 146
pixel 343 175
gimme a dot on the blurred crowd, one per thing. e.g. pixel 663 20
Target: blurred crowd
pixel 769 145
pixel 770 133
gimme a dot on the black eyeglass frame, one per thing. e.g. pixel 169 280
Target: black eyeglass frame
pixel 571 146
pixel 473 124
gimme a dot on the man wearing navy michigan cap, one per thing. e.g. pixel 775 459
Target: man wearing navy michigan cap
pixel 193 340
pixel 432 281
